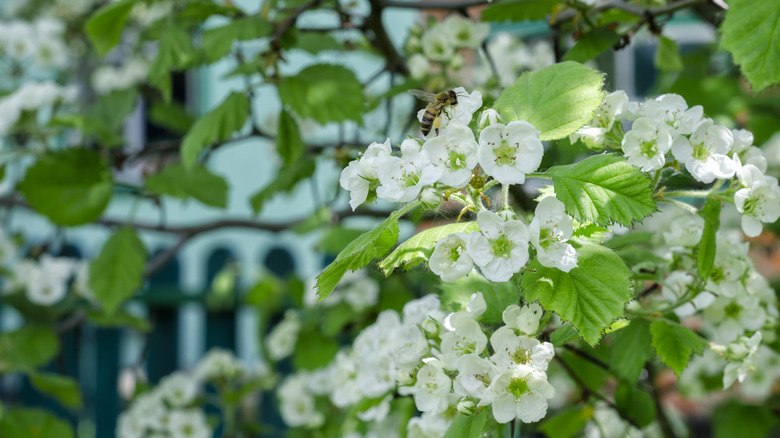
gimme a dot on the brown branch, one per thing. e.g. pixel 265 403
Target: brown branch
pixel 382 41
pixel 642 13
pixel 290 21
pixel 443 5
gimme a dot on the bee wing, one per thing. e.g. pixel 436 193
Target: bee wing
pixel 423 95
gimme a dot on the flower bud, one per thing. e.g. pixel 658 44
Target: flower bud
pixel 489 117
pixel 467 406
pixel 413 45
pixel 418 66
pixel 430 197
pixel 431 327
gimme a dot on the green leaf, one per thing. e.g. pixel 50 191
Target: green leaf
pixel 171 116
pixel 121 318
pixel 631 349
pixel 174 52
pixel 336 239
pixel 336 318
pixel 201 10
pixel 667 55
pixel 418 248
pixel 635 404
pixel 286 180
pixel 566 424
pixel 118 270
pixel 360 252
pixel 27 348
pixel 557 100
pixel 592 44
pixel 733 419
pixel 62 388
pixel 190 182
pixel 705 257
pixel 105 26
pixel 33 423
pixel 315 43
pixel 113 108
pixel 591 375
pixel 470 426
pixel 519 10
pixel 590 296
pixel 675 344
pixel 563 335
pixel 217 125
pixel 314 351
pixel 751 32
pixel 92 127
pixel 289 143
pixel 70 186
pixel 604 189
pixel 218 41
pixel 325 93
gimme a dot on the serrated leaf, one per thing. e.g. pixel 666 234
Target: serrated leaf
pixel 360 252
pixel 675 344
pixel 105 26
pixel 175 52
pixel 325 93
pixel 592 44
pixel 419 247
pixel 70 187
pixel 563 335
pixel 190 182
pixel 751 32
pixel 64 389
pixel 33 423
pixel 218 41
pixel 27 348
pixel 566 424
pixel 667 55
pixel 519 10
pixel 631 349
pixel 470 426
pixel 289 143
pixel 286 180
pixel 604 189
pixel 590 296
pixel 118 270
pixel 217 125
pixel 705 257
pixel 635 404
pixel 557 100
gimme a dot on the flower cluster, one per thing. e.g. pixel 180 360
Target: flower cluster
pixel 29 99
pixel 667 126
pixel 108 78
pixel 41 42
pixel 174 407
pixel 439 44
pixel 446 362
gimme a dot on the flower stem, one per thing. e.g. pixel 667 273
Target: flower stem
pixel 538 175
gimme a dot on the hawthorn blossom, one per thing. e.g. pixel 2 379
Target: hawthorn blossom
pixel 466 337
pixel 646 144
pixel 178 389
pixel 512 349
pixel 525 319
pixel 432 388
pixel 731 317
pixel 360 176
pixel 741 355
pixel 704 154
pixel 549 231
pixel 189 423
pixel 758 201
pixel 281 341
pixel 612 109
pixel 474 376
pixel 465 32
pixel 500 249
pixel 462 113
pixel 437 45
pixel 449 259
pixel 402 178
pixel 509 152
pixel 672 110
pixel 520 392
pixel 455 153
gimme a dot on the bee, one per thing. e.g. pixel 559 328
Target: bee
pixel 437 103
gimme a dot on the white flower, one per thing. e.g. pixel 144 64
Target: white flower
pixel 466 337
pixel 465 32
pixel 280 342
pixel 360 175
pixel 418 66
pixel 612 108
pixel 178 389
pixel 449 259
pixel 681 228
pixel 672 110
pixel 731 317
pixel 474 376
pixel 428 425
pixel 403 178
pixel 296 403
pixel 455 153
pixel 501 248
pixel 512 350
pixel 218 364
pixel 462 113
pixel 49 283
pixel 130 425
pixel 521 393
pixel 488 117
pixel 526 318
pixel 432 388
pixel 730 266
pixel 438 45
pixel 743 139
pixel 549 230
pixel 676 286
pixel 190 423
pixel 412 347
pixel 704 154
pixel 758 201
pixel 758 385
pixel 377 413
pixel 646 144
pixel 742 359
pixel 417 311
pixel 509 152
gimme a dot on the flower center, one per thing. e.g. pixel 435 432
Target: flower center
pixel 505 154
pixel 517 387
pixel 456 161
pixel 700 151
pixel 647 148
pixel 520 356
pixel 732 310
pixel 502 247
pixel 455 253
